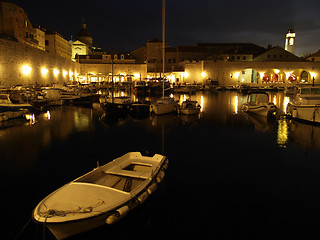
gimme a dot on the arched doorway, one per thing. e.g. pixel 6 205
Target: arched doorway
pixel 302 75
pixel 274 76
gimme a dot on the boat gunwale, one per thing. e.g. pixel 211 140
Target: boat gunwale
pixel 132 195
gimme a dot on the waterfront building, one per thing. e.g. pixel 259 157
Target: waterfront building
pixel 55 43
pixel 101 67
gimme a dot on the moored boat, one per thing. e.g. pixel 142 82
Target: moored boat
pixel 164 106
pixel 258 103
pixel 190 107
pixel 306 105
pixel 102 196
pixel 115 106
pixel 7 102
pixel 140 109
pixel 5 116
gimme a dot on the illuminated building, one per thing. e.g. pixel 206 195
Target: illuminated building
pixel 290 41
pixel 55 43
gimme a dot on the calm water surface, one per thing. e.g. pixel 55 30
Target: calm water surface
pixel 231 176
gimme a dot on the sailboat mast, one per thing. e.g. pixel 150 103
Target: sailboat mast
pixel 163 42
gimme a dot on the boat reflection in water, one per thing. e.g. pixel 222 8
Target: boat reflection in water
pixel 305 136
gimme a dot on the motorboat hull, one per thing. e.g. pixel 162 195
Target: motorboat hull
pixel 163 108
pixel 261 110
pixel 189 111
pixel 308 113
pixel 68 229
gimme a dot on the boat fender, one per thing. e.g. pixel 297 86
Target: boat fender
pixel 165 165
pixel 152 188
pixel 160 176
pixel 118 215
pixel 143 197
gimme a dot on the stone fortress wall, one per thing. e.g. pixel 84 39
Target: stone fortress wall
pixel 21 64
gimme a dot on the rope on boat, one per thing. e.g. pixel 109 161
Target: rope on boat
pixel 62 213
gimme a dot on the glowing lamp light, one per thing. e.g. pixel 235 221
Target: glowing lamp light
pixel 185 74
pixel 56 72
pixel 26 69
pixel 64 73
pixel 276 71
pixel 44 71
pixel 136 75
pixel 203 74
pixel 236 75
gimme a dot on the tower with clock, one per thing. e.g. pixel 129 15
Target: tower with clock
pixel 290 41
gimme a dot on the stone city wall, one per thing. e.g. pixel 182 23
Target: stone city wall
pixel 21 64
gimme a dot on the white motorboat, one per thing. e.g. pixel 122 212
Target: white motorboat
pixel 258 103
pixel 190 107
pixel 164 106
pixel 306 105
pixel 102 196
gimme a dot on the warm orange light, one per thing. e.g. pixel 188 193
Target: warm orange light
pixel 44 71
pixel 56 72
pixel 64 73
pixel 26 69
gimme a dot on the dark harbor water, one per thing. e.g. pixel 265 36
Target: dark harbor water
pixel 231 176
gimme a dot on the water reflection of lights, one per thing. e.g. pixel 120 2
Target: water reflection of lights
pixel 236 105
pixel 282 136
pixel 285 104
pixel 30 118
pixel 201 103
pixel 47 115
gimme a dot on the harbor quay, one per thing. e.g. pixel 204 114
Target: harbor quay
pixel 22 64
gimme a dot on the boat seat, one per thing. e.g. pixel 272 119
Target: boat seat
pixel 135 174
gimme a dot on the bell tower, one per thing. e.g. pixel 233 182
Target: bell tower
pixel 290 41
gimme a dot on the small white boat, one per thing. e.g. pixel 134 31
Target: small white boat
pixel 164 106
pixel 102 196
pixel 53 96
pixel 190 107
pixel 306 105
pixel 258 103
pixel 7 102
pixel 5 116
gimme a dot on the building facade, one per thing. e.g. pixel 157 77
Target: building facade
pixel 15 24
pixel 56 44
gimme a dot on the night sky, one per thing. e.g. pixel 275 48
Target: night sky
pixel 128 24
